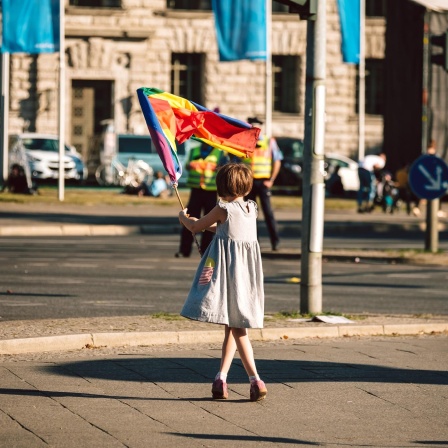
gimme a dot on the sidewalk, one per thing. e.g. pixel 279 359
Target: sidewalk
pixel 346 392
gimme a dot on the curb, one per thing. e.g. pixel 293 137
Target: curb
pixel 117 229
pixel 70 230
pixel 103 340
pixel 88 230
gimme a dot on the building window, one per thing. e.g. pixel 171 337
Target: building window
pixel 187 73
pixel 77 130
pixel 285 79
pixel 375 8
pixel 279 7
pixel 374 87
pixel 96 3
pixel 205 5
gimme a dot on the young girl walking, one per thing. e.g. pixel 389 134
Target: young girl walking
pixel 228 285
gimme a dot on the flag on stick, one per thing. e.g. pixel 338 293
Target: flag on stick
pixel 170 118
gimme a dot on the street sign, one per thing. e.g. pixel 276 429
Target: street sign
pixel 428 177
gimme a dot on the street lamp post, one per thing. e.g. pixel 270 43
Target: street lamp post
pixel 313 194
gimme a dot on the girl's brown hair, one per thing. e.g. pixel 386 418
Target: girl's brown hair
pixel 234 180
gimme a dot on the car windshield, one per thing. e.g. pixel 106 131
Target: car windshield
pixel 42 144
pixel 337 162
pixel 290 147
pixel 141 144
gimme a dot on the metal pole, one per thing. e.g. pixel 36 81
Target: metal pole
pixel 61 101
pixel 432 232
pixel 268 111
pixel 425 83
pixel 362 81
pixel 5 117
pixel 313 194
pixel 432 206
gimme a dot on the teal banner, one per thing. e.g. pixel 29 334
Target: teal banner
pixel 349 14
pixel 30 26
pixel 240 29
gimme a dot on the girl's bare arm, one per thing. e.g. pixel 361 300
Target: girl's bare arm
pixel 207 222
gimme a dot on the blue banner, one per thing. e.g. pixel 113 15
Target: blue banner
pixel 240 29
pixel 30 26
pixel 349 14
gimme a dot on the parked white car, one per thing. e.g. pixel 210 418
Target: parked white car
pixel 348 170
pixel 42 151
pixel 289 178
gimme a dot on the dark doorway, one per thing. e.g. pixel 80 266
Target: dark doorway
pixel 91 104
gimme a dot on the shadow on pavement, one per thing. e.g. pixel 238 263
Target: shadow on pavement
pixel 31 294
pixel 241 438
pixel 191 370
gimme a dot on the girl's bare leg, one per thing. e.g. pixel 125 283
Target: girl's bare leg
pixel 219 386
pixel 228 350
pixel 245 350
pixel 258 389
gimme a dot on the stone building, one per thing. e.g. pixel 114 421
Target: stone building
pixel 416 87
pixel 115 46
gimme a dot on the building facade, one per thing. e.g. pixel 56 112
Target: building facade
pixel 114 47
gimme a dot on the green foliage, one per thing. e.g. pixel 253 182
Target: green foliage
pixel 89 197
pixel 113 196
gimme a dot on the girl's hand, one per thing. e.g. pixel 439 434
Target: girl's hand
pixel 185 218
pixel 182 214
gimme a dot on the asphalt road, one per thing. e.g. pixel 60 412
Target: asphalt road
pixel 135 275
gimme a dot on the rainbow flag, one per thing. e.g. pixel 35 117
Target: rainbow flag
pixel 170 118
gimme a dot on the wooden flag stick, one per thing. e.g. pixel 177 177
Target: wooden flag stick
pixel 182 207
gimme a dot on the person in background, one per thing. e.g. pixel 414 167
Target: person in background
pixel 334 186
pixel 17 181
pixel 367 181
pixel 265 164
pixel 404 190
pixel 431 149
pixel 158 187
pixel 387 192
pixel 202 165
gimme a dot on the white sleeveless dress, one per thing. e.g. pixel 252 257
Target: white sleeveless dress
pixel 228 285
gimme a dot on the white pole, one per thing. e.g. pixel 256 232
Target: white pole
pixel 313 191
pixel 268 111
pixel 61 100
pixel 362 80
pixel 5 114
